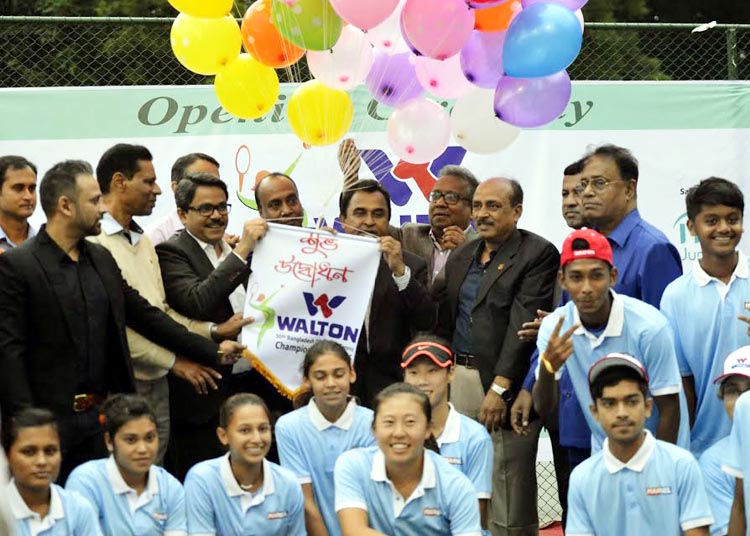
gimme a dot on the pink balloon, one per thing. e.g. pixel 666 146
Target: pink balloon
pixel 442 78
pixel 364 14
pixel 437 28
pixel 346 65
pixel 419 131
pixel 579 16
pixel 387 36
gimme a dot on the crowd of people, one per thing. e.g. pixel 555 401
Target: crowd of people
pixel 127 406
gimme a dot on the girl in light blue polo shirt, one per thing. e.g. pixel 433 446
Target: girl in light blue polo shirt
pixel 242 493
pixel 129 493
pixel 399 487
pixel 311 438
pixel 40 507
pixel 464 443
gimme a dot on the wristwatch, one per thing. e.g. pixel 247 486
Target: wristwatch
pixel 505 394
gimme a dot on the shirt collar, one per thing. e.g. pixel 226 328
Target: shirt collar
pixel 378 473
pixel 321 423
pixel 233 488
pixel 741 270
pixel 110 226
pixel 621 233
pixel 119 486
pixel 205 246
pixel 614 323
pixel 452 430
pixel 30 234
pixel 436 242
pixel 637 463
pixel 21 511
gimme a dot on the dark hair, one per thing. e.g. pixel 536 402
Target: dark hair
pixel 182 163
pixel 270 176
pixel 711 192
pixel 13 162
pixel 624 160
pixel 575 168
pixel 122 157
pixel 120 409
pixel 320 348
pixel 189 185
pixel 614 375
pixel 60 180
pixel 26 418
pixel 402 388
pixel 234 402
pixel 365 185
pixel 470 180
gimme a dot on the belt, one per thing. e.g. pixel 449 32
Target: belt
pixel 466 360
pixel 86 402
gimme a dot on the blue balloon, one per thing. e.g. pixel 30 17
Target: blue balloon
pixel 543 39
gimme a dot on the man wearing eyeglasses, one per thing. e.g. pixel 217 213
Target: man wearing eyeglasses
pixel 450 220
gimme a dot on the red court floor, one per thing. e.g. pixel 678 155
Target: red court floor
pixel 553 530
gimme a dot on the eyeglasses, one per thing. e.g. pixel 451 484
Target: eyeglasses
pixel 450 198
pixel 207 210
pixel 598 184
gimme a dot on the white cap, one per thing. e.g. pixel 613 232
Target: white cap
pixel 736 364
pixel 616 359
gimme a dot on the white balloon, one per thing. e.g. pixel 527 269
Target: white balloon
pixel 346 65
pixel 387 35
pixel 579 16
pixel 419 130
pixel 475 126
pixel 442 78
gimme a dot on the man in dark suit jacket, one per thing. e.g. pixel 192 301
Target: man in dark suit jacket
pixel 492 286
pixel 64 307
pixel 400 303
pixel 450 220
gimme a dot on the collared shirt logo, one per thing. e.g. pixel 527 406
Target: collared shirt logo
pixel 277 515
pixel 453 460
pixel 431 512
pixel 658 490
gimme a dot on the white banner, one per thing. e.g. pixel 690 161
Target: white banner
pixel 306 285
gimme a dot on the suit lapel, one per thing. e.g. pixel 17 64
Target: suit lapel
pixel 426 250
pixel 462 257
pixel 379 291
pixel 499 265
pixel 202 264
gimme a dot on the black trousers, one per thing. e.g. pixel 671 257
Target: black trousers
pixel 81 439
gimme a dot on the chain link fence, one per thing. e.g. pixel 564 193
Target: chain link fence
pixel 60 51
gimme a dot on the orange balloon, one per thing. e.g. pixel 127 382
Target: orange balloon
pixel 496 19
pixel 263 41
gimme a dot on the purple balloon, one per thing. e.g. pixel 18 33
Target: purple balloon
pixel 393 79
pixel 572 5
pixel 482 58
pixel 532 102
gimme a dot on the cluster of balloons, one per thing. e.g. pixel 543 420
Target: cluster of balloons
pixel 503 61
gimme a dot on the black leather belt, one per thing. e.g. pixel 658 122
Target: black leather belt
pixel 86 402
pixel 466 360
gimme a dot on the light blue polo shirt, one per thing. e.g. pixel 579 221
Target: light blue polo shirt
pixel 737 460
pixel 635 328
pixel 443 503
pixel 309 446
pixel 658 491
pixel 159 509
pixel 703 314
pixel 466 445
pixel 69 514
pixel 216 505
pixel 719 485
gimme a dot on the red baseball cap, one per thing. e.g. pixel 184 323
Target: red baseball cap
pixel 596 247
pixel 439 354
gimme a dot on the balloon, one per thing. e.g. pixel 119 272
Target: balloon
pixel 318 114
pixel 310 24
pixel 247 88
pixel 205 46
pixel 475 126
pixel 542 40
pixel 579 16
pixel 482 58
pixel 572 5
pixel 387 35
pixel 393 79
pixel 497 18
pixel 442 78
pixel 207 9
pixel 532 102
pixel 346 64
pixel 419 131
pixel 437 28
pixel 364 14
pixel 484 4
pixel 263 40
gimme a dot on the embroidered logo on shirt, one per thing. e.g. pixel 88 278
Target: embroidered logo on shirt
pixel 160 516
pixel 277 515
pixel 453 461
pixel 658 490
pixel 500 266
pixel 431 512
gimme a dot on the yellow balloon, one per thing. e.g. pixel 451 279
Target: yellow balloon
pixel 205 46
pixel 318 114
pixel 246 88
pixel 203 8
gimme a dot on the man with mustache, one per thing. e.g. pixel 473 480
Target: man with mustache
pixel 278 201
pixel 17 200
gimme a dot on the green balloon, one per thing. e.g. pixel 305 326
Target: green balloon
pixel 309 24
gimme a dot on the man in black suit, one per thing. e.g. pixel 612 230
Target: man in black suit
pixel 492 286
pixel 400 304
pixel 64 307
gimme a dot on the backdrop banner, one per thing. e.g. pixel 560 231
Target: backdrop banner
pixel 305 286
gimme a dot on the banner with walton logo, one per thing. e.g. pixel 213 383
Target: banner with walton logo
pixel 306 285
